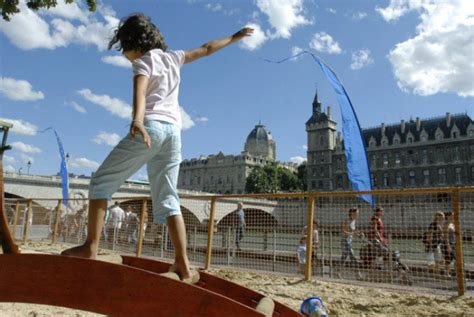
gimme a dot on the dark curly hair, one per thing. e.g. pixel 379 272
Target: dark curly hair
pixel 137 32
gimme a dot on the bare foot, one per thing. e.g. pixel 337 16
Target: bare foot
pixel 182 269
pixel 82 251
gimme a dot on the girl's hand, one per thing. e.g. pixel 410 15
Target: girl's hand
pixel 241 34
pixel 140 128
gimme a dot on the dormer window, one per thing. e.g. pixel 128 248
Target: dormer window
pixel 372 142
pixel 384 141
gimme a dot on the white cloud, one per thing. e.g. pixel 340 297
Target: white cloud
pixel 297 159
pixel 360 59
pixel 18 90
pixel 9 169
pixel 68 11
pixel 439 58
pixel 25 158
pixel 331 10
pixel 201 119
pixel 214 7
pixel 305 147
pixel 21 127
pixel 29 30
pixel 295 50
pixel 323 42
pixel 255 41
pixel 111 139
pixel 113 105
pixel 76 107
pixel 283 15
pixel 186 120
pixel 9 159
pixel 83 162
pixel 25 148
pixel 359 16
pixel 117 60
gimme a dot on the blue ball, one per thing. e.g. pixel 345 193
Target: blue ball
pixel 313 307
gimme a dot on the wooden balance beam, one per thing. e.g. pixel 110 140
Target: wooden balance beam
pixel 220 286
pixel 107 288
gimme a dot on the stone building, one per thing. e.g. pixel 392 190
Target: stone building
pixel 227 174
pixel 433 152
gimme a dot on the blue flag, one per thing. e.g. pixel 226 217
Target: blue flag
pixel 358 169
pixel 63 168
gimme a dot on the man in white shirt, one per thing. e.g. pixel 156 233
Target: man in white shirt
pixel 241 225
pixel 117 216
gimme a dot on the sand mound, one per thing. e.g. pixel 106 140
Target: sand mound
pixel 340 299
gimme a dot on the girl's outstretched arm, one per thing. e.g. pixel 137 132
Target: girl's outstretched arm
pixel 214 46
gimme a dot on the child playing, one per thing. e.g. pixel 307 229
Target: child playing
pixel 301 254
pixel 154 137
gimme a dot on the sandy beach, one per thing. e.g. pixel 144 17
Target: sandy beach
pixel 340 299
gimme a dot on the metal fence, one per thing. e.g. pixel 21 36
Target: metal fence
pixel 427 239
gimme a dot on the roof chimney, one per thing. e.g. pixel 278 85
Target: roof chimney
pixel 329 113
pixel 448 119
pixel 418 124
pixel 403 126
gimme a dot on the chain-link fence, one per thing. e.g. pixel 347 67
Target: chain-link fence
pixel 415 238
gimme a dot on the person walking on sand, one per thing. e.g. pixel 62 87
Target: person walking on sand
pixel 155 135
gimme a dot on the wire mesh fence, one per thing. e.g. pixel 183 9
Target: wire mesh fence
pixel 416 238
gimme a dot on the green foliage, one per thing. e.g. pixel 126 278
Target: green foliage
pixel 272 178
pixel 303 175
pixel 10 7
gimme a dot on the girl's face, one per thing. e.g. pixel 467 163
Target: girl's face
pixel 354 215
pixel 132 55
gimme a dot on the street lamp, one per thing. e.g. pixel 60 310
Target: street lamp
pixel 19 170
pixel 29 165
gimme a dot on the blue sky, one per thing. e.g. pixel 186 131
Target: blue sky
pixel 397 59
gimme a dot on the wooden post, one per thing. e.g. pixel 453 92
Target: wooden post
pixel 141 232
pixel 15 219
pixel 459 249
pixel 330 252
pixel 228 245
pixel 162 244
pixel 194 238
pixel 26 227
pixel 56 221
pixel 274 249
pixel 309 238
pixel 210 234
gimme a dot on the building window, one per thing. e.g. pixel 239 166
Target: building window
pixel 313 184
pixel 385 160
pixel 212 179
pixel 374 179
pixel 412 178
pixel 442 176
pixel 424 137
pixel 320 184
pixel 339 181
pixel 199 180
pixel 239 178
pixel 321 140
pixel 424 156
pixel 456 155
pixel 385 180
pixel 472 173
pixel 397 159
pixel 458 175
pixel 411 157
pixel 373 161
pixel 471 132
pixel 399 179
pixel 455 135
pixel 410 139
pixel 313 172
pixel 426 177
pixel 396 141
pixel 321 172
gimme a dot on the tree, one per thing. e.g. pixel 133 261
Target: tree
pixel 272 178
pixel 10 7
pixel 303 175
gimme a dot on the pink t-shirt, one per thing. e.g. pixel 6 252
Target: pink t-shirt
pixel 163 70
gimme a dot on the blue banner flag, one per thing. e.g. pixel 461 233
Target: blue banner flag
pixel 358 170
pixel 63 168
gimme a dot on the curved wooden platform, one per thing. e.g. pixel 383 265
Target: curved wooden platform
pixel 215 284
pixel 107 288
